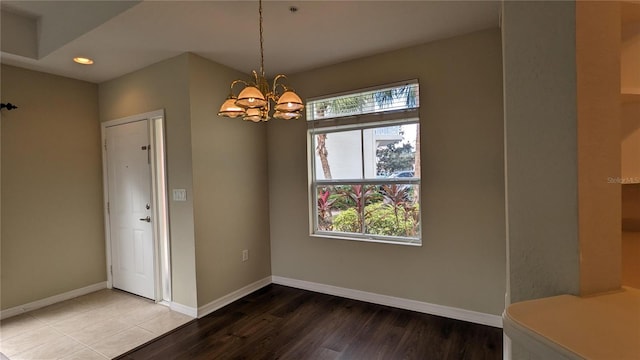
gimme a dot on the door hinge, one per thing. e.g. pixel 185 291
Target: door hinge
pixel 108 208
pixel 111 269
pixel 105 144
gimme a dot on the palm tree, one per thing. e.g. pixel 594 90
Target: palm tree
pixel 335 106
pixel 385 98
pixel 323 154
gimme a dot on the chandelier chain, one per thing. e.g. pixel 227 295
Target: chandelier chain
pixel 253 102
pixel 261 42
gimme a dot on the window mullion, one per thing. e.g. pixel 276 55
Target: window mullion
pixel 362 212
pixel 363 186
pixel 362 154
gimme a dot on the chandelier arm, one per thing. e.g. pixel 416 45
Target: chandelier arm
pixel 276 83
pixel 275 88
pixel 278 77
pixel 237 82
pixel 261 83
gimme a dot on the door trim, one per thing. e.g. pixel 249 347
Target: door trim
pixel 159 201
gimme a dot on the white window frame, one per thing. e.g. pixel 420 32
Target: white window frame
pixel 360 122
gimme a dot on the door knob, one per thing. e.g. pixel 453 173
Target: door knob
pixel 147 219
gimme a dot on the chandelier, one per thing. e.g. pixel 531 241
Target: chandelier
pixel 253 103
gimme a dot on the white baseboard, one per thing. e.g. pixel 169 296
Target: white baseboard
pixel 17 310
pixel 506 345
pixel 207 309
pixel 183 309
pixel 423 307
pixel 427 308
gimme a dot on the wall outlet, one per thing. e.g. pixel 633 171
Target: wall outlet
pixel 245 255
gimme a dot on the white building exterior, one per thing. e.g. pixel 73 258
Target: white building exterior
pixel 345 155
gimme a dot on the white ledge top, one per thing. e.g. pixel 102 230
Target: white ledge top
pixel 605 326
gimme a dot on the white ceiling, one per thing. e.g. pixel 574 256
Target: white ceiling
pixel 125 36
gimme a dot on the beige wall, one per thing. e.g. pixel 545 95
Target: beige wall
pixel 165 85
pixel 541 142
pixel 220 162
pixel 461 260
pixel 598 125
pixel 230 187
pixel 52 233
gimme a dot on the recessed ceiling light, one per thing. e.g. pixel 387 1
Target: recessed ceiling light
pixel 83 60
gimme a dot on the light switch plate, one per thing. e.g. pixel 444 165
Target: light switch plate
pixel 179 194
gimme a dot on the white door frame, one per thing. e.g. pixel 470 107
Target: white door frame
pixel 159 201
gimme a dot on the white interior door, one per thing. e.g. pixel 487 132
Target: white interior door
pixel 130 213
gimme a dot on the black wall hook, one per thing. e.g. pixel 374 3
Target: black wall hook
pixel 9 106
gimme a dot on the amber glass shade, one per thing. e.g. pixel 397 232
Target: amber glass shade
pixel 254 115
pixel 286 115
pixel 251 98
pixel 230 109
pixel 289 102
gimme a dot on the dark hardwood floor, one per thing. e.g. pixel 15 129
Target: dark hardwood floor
pixel 278 322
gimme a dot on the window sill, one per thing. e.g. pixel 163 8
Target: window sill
pixel 367 240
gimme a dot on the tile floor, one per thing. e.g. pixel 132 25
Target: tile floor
pixel 100 325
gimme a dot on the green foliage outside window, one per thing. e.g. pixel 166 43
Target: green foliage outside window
pixel 388 210
pixel 380 219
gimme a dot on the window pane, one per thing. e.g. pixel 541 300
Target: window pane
pixel 391 151
pixel 386 210
pixel 366 102
pixel 338 155
pixel 395 212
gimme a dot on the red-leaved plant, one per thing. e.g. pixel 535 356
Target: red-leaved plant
pixel 325 204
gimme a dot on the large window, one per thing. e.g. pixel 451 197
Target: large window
pixel 365 167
